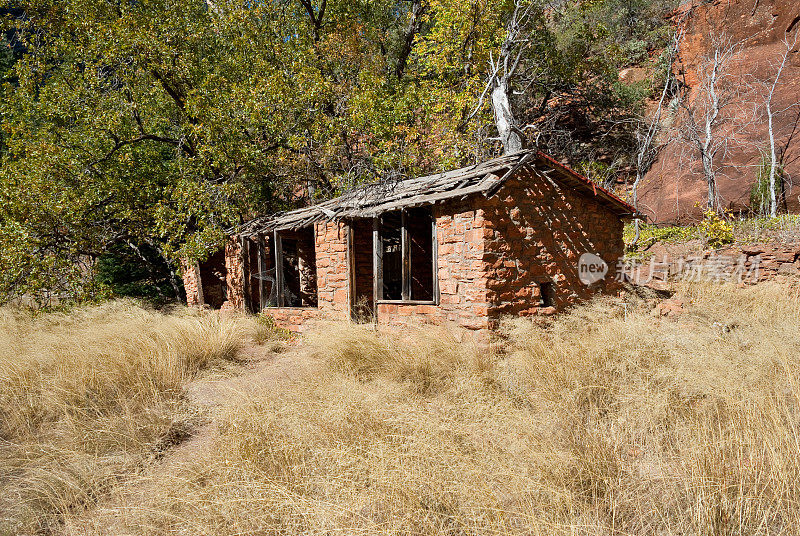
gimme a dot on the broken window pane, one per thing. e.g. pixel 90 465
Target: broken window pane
pixel 391 242
pixel 407 271
pixel 298 268
pixel 260 272
pixel 420 233
pixel 291 274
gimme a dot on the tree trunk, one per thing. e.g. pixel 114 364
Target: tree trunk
pixel 504 118
pixel 414 25
pixel 773 202
pixel 708 171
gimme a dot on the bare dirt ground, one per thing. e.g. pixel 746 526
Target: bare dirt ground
pixel 261 368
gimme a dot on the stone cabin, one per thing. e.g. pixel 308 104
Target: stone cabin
pixel 466 247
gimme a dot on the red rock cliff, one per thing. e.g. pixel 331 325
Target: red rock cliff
pixel 674 189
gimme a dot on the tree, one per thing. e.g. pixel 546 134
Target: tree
pixel 507 73
pixel 161 124
pixel 705 119
pixel 768 96
pixel 517 39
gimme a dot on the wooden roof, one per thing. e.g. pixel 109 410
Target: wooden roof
pixel 485 178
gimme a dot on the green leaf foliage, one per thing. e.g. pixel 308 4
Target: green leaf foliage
pixel 166 122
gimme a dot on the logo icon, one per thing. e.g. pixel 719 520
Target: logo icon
pixel 591 268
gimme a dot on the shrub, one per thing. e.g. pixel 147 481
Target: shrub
pixel 759 193
pixel 267 330
pixel 715 229
pixel 650 234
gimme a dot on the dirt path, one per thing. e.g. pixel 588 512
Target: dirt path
pixel 262 367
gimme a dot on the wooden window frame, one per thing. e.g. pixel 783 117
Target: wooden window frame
pixel 262 267
pixel 405 244
pixel 280 284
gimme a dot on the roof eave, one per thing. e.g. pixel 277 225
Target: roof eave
pixel 623 208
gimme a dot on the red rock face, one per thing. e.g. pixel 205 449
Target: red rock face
pixel 674 190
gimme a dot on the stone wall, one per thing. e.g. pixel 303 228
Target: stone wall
pixel 332 278
pixel 234 277
pixel 189 274
pixel 492 256
pixel 462 274
pixel 333 298
pixel 773 260
pixel 330 239
pixel 535 232
pixel 737 263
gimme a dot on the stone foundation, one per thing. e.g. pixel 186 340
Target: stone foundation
pixel 294 319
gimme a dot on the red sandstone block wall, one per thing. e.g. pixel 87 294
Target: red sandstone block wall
pixel 295 319
pixel 493 253
pixel 536 231
pixel 462 273
pixel 333 295
pixel 234 279
pixel 190 283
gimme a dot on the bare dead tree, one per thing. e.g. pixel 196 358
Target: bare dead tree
pixel 771 113
pixel 503 68
pixel 646 151
pixel 705 120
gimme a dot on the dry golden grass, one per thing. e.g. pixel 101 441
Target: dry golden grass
pixel 607 422
pixel 86 398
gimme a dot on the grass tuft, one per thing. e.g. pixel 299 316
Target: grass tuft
pixel 87 396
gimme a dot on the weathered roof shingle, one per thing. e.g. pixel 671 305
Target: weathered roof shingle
pixel 484 178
